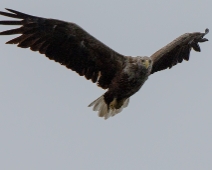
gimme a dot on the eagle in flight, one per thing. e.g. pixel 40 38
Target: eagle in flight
pixel 71 46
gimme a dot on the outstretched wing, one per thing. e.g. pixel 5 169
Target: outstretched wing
pixel 177 50
pixel 66 43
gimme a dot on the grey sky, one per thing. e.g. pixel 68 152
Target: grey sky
pixel 44 119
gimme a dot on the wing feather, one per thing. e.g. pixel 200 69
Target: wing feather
pixel 177 51
pixel 66 43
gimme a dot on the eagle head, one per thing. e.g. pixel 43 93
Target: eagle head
pixel 144 62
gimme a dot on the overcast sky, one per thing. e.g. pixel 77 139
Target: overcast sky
pixel 44 119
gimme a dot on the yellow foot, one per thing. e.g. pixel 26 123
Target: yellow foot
pixel 116 105
pixel 113 104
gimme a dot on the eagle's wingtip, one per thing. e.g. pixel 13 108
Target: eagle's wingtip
pixel 11 10
pixel 206 30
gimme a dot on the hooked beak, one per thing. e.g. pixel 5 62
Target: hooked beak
pixel 146 64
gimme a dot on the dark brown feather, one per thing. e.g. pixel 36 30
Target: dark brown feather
pixel 11 22
pixel 12 31
pixel 66 43
pixel 177 51
pixel 17 39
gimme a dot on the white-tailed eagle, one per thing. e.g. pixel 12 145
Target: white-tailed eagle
pixel 71 46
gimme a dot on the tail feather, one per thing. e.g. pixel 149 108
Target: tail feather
pixel 126 102
pixel 104 110
pixel 96 103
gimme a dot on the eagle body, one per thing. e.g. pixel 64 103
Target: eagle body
pixel 126 83
pixel 73 47
pixel 132 77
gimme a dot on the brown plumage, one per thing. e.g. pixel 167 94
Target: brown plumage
pixel 73 47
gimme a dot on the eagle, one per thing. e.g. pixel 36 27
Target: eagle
pixel 71 46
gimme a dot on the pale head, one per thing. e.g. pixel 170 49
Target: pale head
pixel 145 61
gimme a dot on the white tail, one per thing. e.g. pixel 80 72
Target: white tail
pixel 100 105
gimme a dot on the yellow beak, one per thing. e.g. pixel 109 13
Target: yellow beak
pixel 146 64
